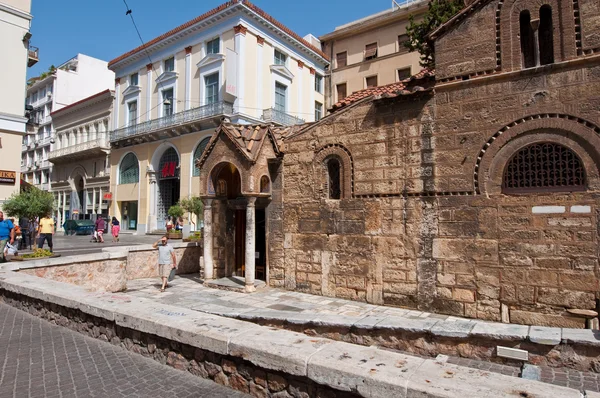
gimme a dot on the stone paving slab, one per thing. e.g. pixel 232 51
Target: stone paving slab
pixel 278 349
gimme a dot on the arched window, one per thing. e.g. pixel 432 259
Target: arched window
pixel 265 184
pixel 129 171
pixel 544 167
pixel 527 40
pixel 334 178
pixel 198 154
pixel 546 43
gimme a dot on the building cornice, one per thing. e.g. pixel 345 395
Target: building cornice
pixel 15 11
pixel 106 95
pixel 374 21
pixel 212 17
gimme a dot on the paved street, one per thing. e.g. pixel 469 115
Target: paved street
pixel 73 245
pixel 38 359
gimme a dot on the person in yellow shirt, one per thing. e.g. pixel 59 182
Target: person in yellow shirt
pixel 46 232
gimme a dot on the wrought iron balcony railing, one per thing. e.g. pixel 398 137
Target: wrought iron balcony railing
pixel 275 116
pixel 172 121
pixel 79 148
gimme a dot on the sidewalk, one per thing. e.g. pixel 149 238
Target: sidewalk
pixel 295 308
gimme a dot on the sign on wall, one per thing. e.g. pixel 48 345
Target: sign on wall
pixel 107 196
pixel 8 177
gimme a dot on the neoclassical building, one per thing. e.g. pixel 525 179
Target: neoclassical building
pixel 81 158
pixel 234 62
pixel 472 191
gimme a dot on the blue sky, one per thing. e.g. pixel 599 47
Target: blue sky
pixel 100 28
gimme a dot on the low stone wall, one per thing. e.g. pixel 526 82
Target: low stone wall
pixel 104 272
pixel 110 270
pixel 142 259
pixel 233 372
pixel 260 360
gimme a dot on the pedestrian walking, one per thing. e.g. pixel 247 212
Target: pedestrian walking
pixel 179 225
pixel 100 226
pixel 45 232
pixel 167 262
pixel 7 235
pixel 25 233
pixel 115 228
pixel 33 226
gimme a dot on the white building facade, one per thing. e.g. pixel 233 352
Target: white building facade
pixel 74 80
pixel 80 158
pixel 17 55
pixel 234 62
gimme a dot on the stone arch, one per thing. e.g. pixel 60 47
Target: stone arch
pixel 226 180
pixel 209 166
pixel 577 134
pixel 159 151
pixel 320 171
pixel 508 46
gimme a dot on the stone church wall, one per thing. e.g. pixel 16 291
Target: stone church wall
pixel 427 226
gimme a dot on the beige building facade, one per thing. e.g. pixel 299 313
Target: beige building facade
pixel 234 62
pixel 15 22
pixel 80 155
pixel 370 52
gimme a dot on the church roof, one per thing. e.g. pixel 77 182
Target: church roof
pixel 249 138
pixel 404 87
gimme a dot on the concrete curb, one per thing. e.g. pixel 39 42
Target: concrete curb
pixel 52 262
pixel 147 247
pixel 347 367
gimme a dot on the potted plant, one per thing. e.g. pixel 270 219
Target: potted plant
pixel 175 212
pixel 193 205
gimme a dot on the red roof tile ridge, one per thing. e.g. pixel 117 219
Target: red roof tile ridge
pixel 210 13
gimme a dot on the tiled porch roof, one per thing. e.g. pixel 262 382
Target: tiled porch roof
pixel 404 87
pixel 249 138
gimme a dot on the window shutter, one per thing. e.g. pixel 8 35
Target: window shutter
pixel 401 47
pixel 371 51
pixel 371 81
pixel 341 91
pixel 342 59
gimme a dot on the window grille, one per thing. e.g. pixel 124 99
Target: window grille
pixel 198 154
pixel 129 172
pixel 544 167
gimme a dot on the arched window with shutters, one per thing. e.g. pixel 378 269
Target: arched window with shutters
pixel 129 170
pixel 544 167
pixel 198 154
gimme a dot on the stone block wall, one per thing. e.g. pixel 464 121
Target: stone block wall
pixel 105 275
pixel 109 272
pixel 427 225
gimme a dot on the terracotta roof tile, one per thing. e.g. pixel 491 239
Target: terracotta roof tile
pixel 210 13
pixel 404 87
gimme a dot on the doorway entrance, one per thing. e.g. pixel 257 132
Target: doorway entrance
pixel 129 215
pixel 168 184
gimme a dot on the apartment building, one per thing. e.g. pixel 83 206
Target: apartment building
pixel 72 81
pixel 370 52
pixel 17 55
pixel 80 158
pixel 234 62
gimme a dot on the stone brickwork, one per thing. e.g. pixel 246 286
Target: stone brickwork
pixel 110 271
pixel 98 275
pixel 427 225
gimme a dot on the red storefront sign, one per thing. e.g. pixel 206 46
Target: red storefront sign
pixel 168 169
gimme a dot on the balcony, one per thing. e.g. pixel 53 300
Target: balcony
pixel 32 56
pixel 88 149
pixel 173 125
pixel 272 115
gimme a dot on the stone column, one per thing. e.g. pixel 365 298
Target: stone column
pixel 152 221
pixel 94 203
pixel 250 244
pixel 208 240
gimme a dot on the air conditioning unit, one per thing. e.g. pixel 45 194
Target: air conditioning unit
pixel 50 94
pixel 52 140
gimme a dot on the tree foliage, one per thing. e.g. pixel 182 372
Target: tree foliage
pixel 193 205
pixel 439 12
pixel 175 211
pixel 29 203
